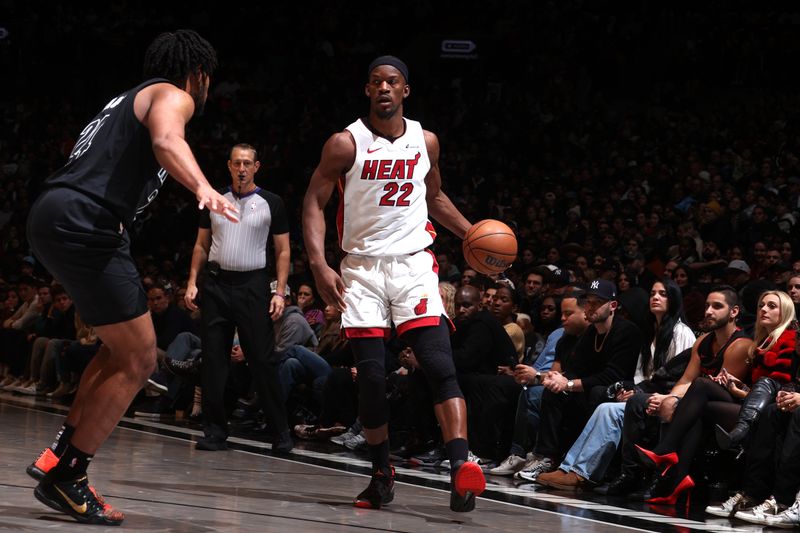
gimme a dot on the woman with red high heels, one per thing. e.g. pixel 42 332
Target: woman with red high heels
pixel 717 400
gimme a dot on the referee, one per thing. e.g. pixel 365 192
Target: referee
pixel 234 296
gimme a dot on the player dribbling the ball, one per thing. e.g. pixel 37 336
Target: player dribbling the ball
pixel 387 170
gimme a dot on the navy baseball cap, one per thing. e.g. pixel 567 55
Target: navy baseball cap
pixel 602 288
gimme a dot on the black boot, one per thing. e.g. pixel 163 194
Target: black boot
pixel 760 396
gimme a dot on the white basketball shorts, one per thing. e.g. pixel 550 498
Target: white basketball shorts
pixel 382 290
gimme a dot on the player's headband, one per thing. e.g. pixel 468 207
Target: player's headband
pixel 389 60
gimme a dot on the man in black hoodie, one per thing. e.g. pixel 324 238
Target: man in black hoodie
pixel 480 346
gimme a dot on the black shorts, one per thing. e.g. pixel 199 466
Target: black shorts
pixel 84 247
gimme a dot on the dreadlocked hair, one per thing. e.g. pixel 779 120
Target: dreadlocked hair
pixel 175 55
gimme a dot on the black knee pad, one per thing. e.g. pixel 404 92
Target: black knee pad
pixel 432 349
pixel 370 361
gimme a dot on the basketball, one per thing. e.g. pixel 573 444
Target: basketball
pixel 490 246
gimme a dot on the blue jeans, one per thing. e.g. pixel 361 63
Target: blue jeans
pixel 526 423
pixel 594 449
pixel 186 345
pixel 301 365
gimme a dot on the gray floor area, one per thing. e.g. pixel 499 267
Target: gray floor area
pixel 163 484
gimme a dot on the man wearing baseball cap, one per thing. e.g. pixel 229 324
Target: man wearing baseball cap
pixel 737 273
pixel 605 354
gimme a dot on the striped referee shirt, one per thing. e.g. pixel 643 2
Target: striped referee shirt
pixel 243 247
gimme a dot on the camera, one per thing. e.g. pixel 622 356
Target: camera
pixel 613 389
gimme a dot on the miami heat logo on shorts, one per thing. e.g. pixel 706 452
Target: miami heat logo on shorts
pixel 422 307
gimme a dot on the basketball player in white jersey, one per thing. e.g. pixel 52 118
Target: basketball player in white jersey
pixel 386 168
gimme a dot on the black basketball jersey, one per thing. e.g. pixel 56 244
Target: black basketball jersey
pixel 112 161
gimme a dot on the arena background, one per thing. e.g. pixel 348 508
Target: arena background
pixel 580 99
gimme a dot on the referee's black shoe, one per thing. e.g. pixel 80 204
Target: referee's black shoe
pixel 468 482
pixel 77 499
pixel 378 493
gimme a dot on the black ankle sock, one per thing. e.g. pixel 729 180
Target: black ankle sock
pixel 62 439
pixel 457 450
pixel 379 454
pixel 71 465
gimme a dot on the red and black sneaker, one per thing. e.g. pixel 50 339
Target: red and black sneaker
pixel 46 461
pixel 77 499
pixel 380 491
pixel 468 482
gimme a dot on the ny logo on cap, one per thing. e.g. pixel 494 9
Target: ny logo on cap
pixel 595 285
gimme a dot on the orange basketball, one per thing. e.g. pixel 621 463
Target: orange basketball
pixel 490 246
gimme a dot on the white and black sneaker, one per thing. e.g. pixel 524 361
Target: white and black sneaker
pixel 533 468
pixel 788 519
pixel 761 512
pixel 731 506
pixel 510 466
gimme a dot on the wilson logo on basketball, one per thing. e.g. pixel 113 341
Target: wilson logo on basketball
pixel 490 260
pixel 422 307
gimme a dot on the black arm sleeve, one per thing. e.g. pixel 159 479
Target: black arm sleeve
pixel 280 220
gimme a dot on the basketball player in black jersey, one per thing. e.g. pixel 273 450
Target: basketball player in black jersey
pixel 78 230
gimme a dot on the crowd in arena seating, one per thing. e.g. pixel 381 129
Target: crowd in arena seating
pixel 606 167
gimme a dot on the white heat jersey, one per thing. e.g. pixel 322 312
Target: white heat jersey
pixel 383 211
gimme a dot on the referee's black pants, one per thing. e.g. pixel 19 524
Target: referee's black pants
pixel 232 300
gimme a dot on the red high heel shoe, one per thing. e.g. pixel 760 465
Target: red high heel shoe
pixel 686 485
pixel 654 461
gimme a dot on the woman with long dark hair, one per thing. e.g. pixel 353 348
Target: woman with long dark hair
pixel 717 400
pixel 594 449
pixel 669 330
